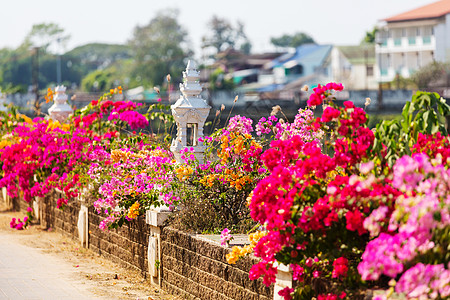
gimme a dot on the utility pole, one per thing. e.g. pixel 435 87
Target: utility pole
pixel 379 42
pixel 366 55
pixel 35 79
pixel 58 63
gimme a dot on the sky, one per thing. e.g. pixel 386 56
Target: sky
pixel 339 22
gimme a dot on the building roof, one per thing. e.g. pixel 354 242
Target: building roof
pixel 430 11
pixel 232 59
pixel 360 54
pixel 308 54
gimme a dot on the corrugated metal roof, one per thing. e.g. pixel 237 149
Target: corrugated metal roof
pixel 360 54
pixel 305 55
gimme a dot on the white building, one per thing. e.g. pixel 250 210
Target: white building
pixel 413 39
pixel 353 66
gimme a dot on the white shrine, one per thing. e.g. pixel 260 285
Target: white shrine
pixel 60 110
pixel 190 113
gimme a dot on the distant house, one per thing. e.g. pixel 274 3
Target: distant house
pixel 243 68
pixel 413 39
pixel 306 60
pixel 353 66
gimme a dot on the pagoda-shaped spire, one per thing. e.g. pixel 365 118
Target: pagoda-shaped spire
pixel 191 86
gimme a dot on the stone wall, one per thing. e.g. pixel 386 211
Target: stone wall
pixel 197 269
pixel 126 246
pixel 191 267
pixel 61 220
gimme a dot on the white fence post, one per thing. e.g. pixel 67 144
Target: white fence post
pixel 7 199
pixel 83 226
pixel 155 217
pixel 283 280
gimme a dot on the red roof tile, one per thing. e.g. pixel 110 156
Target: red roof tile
pixel 433 10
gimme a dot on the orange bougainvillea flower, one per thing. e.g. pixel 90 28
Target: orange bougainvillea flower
pixel 133 212
pixel 49 96
pixel 111 91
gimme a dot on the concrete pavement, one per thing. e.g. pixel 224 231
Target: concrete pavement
pixel 29 273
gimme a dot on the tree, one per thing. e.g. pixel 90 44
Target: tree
pixel 160 48
pixel 15 69
pixel 224 35
pixel 44 35
pixel 294 40
pixel 370 36
pixel 218 81
pixel 110 77
pixel 98 55
pixel 433 74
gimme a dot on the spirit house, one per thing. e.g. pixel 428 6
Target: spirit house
pixel 60 110
pixel 190 113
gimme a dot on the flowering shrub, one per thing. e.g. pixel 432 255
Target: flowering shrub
pixel 45 155
pixel 280 129
pixel 232 168
pixel 416 230
pixel 321 209
pixel 221 185
pixel 131 180
pixel 347 208
pixel 307 200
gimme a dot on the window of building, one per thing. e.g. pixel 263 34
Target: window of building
pixel 417 31
pixel 404 32
pixel 369 70
pixel 427 31
pixel 295 70
pixel 411 32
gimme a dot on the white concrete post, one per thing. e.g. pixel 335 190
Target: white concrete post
pixel 37 208
pixel 83 220
pixel 283 280
pixel 83 226
pixel 2 102
pixel 155 217
pixel 190 113
pixel 60 110
pixel 7 198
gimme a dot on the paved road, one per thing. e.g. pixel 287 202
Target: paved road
pixel 29 273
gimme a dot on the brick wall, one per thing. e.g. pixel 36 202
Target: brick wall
pixel 61 220
pixel 126 246
pixel 191 267
pixel 197 269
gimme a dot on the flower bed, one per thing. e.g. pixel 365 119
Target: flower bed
pixel 347 208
